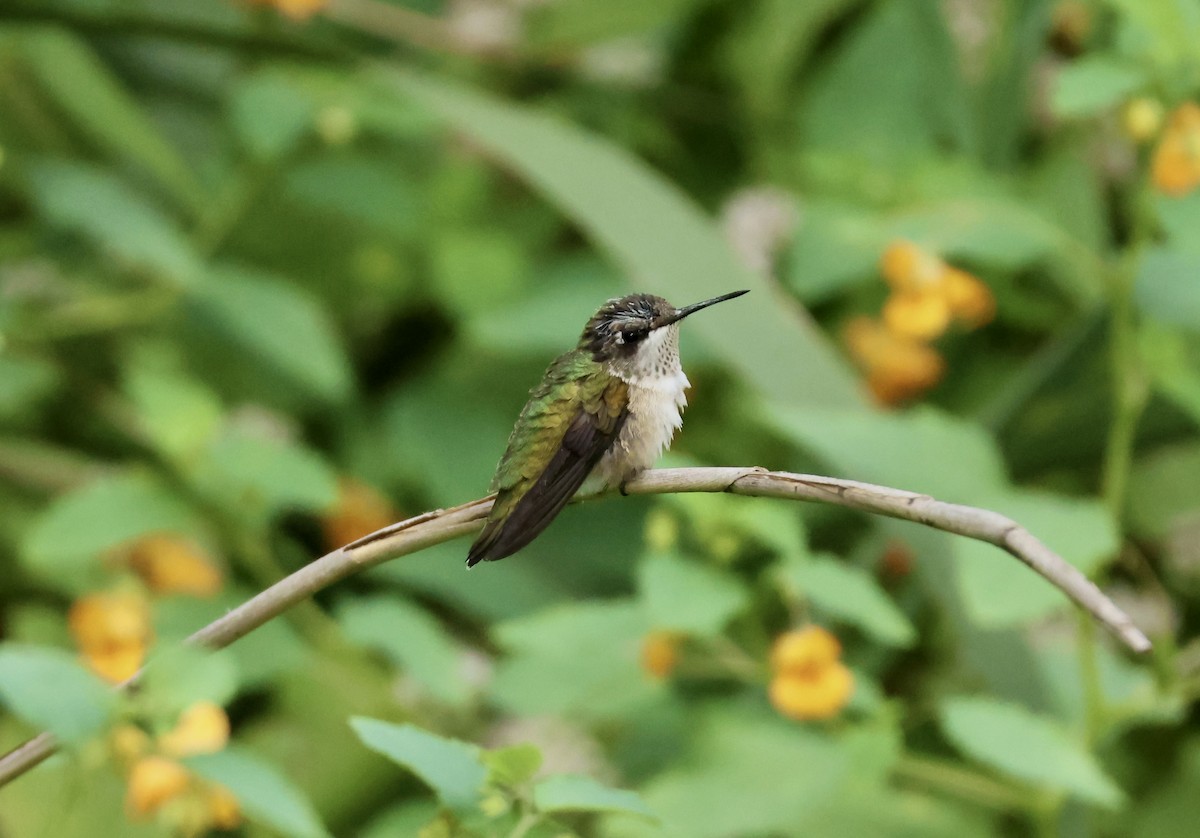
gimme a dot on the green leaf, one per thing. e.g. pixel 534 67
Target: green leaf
pixel 686 596
pixel 835 246
pixel 412 638
pixel 999 232
pixel 742 757
pixel 909 451
pixel 130 226
pixel 48 689
pixel 573 793
pixel 453 769
pixel 270 113
pixel 262 477
pixel 890 90
pixel 176 413
pixel 278 326
pixel 265 795
pixel 24 381
pixel 1025 746
pixel 571 24
pixel 1172 357
pixel 850 594
pixel 1180 218
pixel 542 323
pixel 999 591
pixel 76 528
pixel 179 676
pixel 1092 84
pixel 368 191
pixel 100 107
pixel 776 525
pixel 655 234
pixel 512 766
pixel 459 257
pixel 1166 286
pixel 1163 491
pixel 577 661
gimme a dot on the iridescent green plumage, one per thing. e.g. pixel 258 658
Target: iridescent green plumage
pixel 570 420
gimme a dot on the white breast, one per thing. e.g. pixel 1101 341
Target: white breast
pixel 655 414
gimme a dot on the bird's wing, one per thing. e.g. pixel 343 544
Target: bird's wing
pixel 571 434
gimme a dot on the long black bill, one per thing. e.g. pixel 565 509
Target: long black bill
pixel 681 313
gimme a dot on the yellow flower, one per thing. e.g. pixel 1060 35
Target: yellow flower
pixel 153 781
pixel 1141 118
pixel 224 811
pixel 810 681
pixel 927 293
pixel 917 315
pixel 819 695
pixel 1175 168
pixel 359 510
pixel 971 302
pixel 802 649
pixel 128 743
pixel 170 565
pixel 660 653
pixel 203 728
pixel 898 368
pixel 112 631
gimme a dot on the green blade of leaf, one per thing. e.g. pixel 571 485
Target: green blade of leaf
pixel 453 769
pixel 573 793
pixel 49 689
pixel 279 326
pixel 84 88
pixel 265 794
pixel 1032 748
pixel 688 596
pixel 849 593
pixel 73 532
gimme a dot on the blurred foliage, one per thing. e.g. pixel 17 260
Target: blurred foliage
pixel 275 274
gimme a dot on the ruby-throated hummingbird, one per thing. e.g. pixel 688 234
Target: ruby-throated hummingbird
pixel 606 409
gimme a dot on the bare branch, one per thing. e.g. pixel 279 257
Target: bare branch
pixel 432 528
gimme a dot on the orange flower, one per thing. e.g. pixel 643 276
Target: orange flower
pixel 897 560
pixel 157 779
pixel 921 316
pixel 971 302
pixel 128 743
pixel 907 267
pixel 112 631
pixel 358 511
pixel 804 649
pixel 898 368
pixel 295 9
pixel 203 728
pixel 153 781
pixel 810 680
pixel 224 812
pixel 820 695
pixel 927 293
pixel 660 653
pixel 1175 168
pixel 170 565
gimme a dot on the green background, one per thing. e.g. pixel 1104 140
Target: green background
pixel 242 256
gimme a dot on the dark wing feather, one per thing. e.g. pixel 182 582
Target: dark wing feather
pixel 583 444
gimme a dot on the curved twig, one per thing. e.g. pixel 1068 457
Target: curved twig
pixel 444 524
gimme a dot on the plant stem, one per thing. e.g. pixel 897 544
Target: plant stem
pixel 964 783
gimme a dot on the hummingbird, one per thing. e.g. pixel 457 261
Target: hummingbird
pixel 603 412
